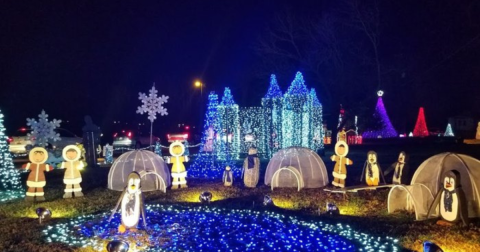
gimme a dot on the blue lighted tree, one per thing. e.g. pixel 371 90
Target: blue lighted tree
pixel 211 124
pixel 210 162
pixel 316 121
pixel 229 134
pixel 272 109
pixel 10 186
pixel 294 102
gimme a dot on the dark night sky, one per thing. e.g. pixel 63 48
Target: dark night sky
pixel 74 58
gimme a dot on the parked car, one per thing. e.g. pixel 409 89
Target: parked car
pixel 132 139
pixel 20 142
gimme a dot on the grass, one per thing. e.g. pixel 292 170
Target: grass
pixel 365 211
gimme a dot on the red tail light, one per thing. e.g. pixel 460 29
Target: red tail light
pixel 115 135
pixel 129 134
pixel 9 139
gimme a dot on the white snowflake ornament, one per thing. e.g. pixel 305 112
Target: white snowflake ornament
pixel 43 130
pixel 152 104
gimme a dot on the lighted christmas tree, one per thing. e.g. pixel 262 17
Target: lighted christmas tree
pixel 272 109
pixel 10 185
pixel 252 134
pixel 293 112
pixel 207 163
pixel 382 127
pixel 420 129
pixel 229 134
pixel 211 124
pixel 448 131
pixel 316 139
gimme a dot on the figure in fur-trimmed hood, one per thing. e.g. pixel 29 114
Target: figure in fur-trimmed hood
pixel 340 169
pixel 36 179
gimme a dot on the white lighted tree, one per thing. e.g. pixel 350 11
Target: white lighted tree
pixel 152 105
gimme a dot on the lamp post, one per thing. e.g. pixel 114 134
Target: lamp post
pixel 199 84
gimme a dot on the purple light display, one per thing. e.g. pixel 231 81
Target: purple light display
pixel 383 127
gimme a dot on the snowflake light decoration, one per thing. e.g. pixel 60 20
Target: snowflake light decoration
pixel 152 104
pixel 43 130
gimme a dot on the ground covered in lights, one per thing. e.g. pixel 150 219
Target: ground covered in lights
pixel 205 228
pixel 235 217
pixel 10 195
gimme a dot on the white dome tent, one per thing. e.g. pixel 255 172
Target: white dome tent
pixel 413 198
pixel 296 167
pixel 153 171
pixel 426 183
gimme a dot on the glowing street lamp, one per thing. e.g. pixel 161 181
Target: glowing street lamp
pixel 199 84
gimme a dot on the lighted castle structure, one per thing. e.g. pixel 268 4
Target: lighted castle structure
pixel 291 119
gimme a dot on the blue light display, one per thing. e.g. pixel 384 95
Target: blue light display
pixel 273 90
pixel 207 228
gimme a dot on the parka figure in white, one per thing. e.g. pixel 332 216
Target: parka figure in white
pixel 251 168
pixel 72 177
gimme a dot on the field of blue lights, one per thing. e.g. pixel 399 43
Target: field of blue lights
pixel 205 228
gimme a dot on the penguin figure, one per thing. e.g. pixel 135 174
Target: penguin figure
pixel 451 200
pixel 251 168
pixel 227 176
pixel 132 206
pixel 400 170
pixel 372 170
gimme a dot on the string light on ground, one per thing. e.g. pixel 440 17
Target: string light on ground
pixel 207 228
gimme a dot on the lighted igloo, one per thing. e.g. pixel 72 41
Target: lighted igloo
pixel 153 171
pixel 296 167
pixel 426 182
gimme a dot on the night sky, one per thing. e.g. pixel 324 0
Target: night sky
pixel 77 58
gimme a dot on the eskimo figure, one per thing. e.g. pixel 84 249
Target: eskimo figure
pixel 36 179
pixel 400 170
pixel 179 174
pixel 251 168
pixel 340 169
pixel 371 170
pixel 72 177
pixel 227 176
pixel 451 200
pixel 132 205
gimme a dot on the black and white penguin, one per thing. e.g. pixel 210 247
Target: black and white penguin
pixel 227 176
pixel 371 170
pixel 451 199
pixel 400 170
pixel 131 202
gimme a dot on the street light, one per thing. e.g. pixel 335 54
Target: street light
pixel 199 84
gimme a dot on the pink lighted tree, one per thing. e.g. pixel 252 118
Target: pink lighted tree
pixel 421 129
